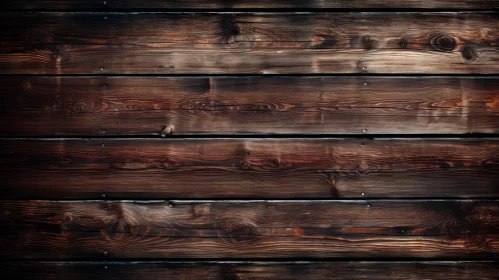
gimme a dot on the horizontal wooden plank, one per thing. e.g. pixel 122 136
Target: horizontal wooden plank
pixel 243 168
pixel 246 4
pixel 266 43
pixel 340 270
pixel 253 229
pixel 90 106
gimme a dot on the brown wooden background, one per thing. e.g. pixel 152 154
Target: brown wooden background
pixel 250 139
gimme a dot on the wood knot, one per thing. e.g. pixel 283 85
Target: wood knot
pixel 200 210
pixel 227 29
pixel 52 54
pixel 237 231
pixel 402 230
pixel 59 52
pixel 67 218
pixel 403 43
pixel 480 242
pixel 442 43
pixel 34 39
pixel 362 68
pixel 469 54
pixel 369 42
pixel 43 45
pixel 245 165
pixel 362 168
pixel 117 228
pixel 366 42
pixel 168 130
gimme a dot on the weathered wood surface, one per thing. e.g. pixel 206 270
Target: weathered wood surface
pixel 448 270
pixel 244 168
pixel 252 229
pixel 247 4
pixel 267 43
pixel 93 106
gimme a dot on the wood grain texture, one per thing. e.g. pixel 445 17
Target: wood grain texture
pixel 253 270
pixel 246 4
pixel 266 43
pixel 93 106
pixel 253 229
pixel 242 168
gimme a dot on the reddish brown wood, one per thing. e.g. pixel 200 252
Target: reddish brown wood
pixel 271 43
pixel 243 168
pixel 183 229
pixel 246 4
pixel 90 106
pixel 148 270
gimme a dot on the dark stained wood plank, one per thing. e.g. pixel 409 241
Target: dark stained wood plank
pixel 244 168
pixel 435 270
pixel 247 4
pixel 91 106
pixel 268 43
pixel 249 229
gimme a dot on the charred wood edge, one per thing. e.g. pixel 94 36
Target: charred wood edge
pixel 265 137
pixel 255 261
pixel 296 10
pixel 172 201
pixel 256 11
pixel 239 200
pixel 297 75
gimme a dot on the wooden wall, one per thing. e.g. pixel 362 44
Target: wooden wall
pixel 249 139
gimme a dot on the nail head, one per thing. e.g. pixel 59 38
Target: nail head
pixel 362 194
pixel 364 130
pixel 365 84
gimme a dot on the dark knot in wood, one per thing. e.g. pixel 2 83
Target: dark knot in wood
pixel 403 43
pixel 227 29
pixel 366 42
pixel 235 231
pixel 442 43
pixel 469 54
